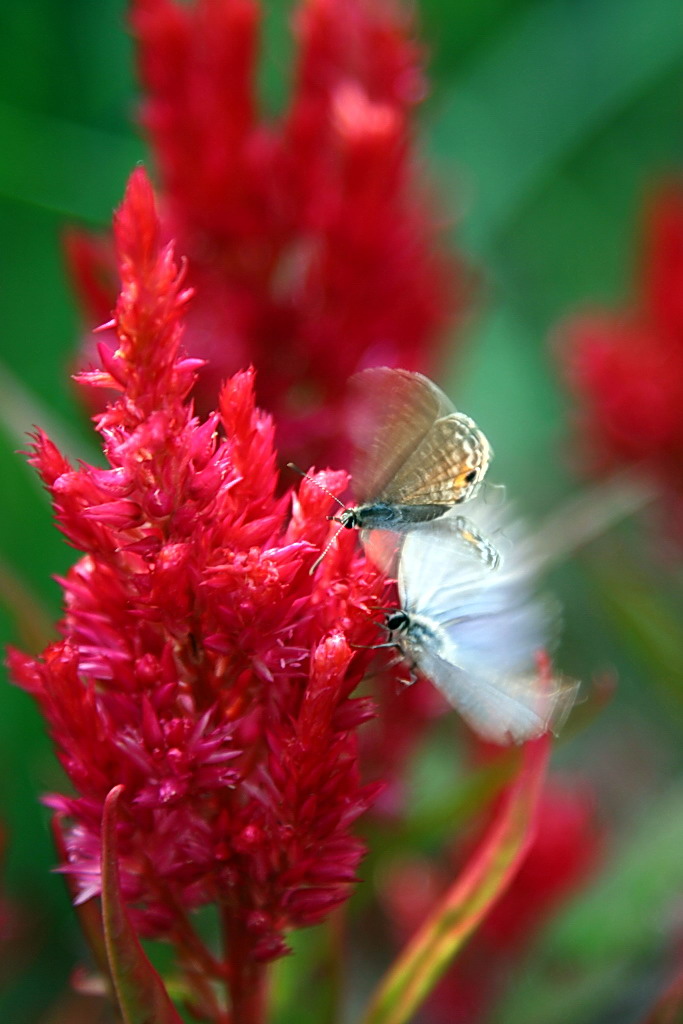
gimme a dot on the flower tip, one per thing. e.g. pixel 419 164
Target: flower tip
pixel 332 655
pixel 112 798
pixel 136 221
pixel 139 189
pixel 104 327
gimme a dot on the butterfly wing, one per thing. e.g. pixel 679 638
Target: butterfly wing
pixel 442 576
pixel 492 625
pixel 392 411
pixel 445 468
pixel 506 709
pixel 382 548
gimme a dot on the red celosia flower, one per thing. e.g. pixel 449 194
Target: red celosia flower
pixel 200 665
pixel 309 240
pixel 626 368
pixel 563 852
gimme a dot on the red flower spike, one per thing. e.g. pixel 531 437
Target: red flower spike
pixel 310 239
pixel 626 367
pixel 200 666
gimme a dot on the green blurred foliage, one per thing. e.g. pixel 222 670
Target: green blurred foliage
pixel 546 123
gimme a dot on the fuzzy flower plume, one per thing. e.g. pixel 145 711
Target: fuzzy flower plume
pixel 310 238
pixel 199 664
pixel 626 367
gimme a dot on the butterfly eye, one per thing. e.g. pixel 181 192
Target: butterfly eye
pixel 396 620
pixel 471 476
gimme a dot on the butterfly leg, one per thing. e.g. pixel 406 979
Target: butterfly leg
pixel 370 647
pixel 480 546
pixel 410 681
pixel 412 677
pixel 396 660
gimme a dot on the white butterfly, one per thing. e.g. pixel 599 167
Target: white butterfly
pixel 475 633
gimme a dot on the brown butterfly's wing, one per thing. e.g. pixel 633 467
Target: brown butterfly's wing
pixel 392 412
pixel 445 468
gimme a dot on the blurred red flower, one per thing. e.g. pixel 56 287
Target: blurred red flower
pixel 310 239
pixel 626 367
pixel 199 664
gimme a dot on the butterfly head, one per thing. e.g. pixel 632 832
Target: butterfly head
pixel 397 621
pixel 348 518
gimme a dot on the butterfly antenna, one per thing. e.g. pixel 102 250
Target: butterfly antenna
pixel 325 550
pixel 316 483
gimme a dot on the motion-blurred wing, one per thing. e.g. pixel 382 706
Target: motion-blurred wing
pixel 504 709
pixel 442 576
pixel 392 412
pixel 382 548
pixel 498 639
pixel 491 626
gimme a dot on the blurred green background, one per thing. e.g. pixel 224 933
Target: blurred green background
pixel 545 125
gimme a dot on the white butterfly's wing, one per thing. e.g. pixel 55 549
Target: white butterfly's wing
pixel 491 626
pixel 507 709
pixel 382 548
pixel 442 576
pixel 495 639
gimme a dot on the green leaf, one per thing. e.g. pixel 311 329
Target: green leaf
pixel 141 994
pixel 455 35
pixel 32 621
pixel 21 411
pixel 484 879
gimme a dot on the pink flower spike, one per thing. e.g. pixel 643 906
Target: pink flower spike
pixel 199 666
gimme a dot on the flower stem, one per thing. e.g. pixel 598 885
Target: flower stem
pixel 245 977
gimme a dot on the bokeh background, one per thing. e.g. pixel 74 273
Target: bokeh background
pixel 546 126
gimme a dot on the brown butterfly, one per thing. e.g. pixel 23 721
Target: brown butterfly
pixel 416 457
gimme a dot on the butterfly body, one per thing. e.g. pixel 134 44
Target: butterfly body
pixel 384 516
pixel 413 633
